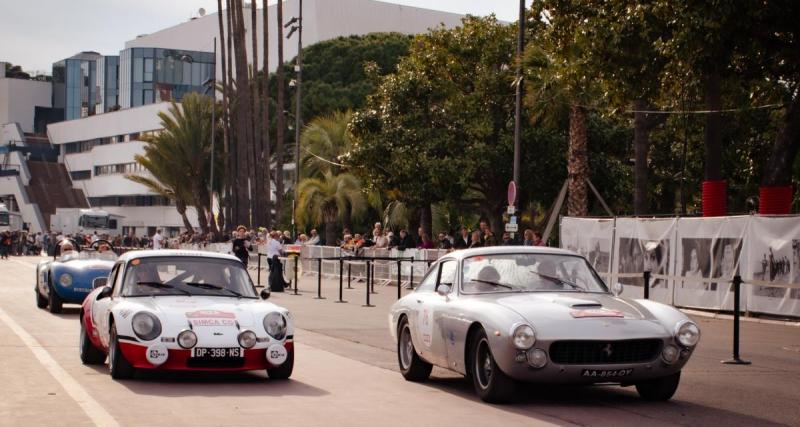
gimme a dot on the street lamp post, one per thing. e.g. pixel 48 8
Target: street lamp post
pixel 297 25
pixel 518 103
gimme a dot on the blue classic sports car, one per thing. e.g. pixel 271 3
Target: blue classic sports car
pixel 70 276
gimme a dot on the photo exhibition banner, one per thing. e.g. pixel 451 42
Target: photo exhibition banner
pixel 645 244
pixel 693 260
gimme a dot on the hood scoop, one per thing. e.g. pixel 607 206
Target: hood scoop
pixel 583 305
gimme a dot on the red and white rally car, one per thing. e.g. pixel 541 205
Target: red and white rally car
pixel 187 311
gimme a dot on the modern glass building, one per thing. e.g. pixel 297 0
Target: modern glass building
pixel 151 75
pixel 76 87
pixel 85 84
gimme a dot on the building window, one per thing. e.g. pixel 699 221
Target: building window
pixel 80 175
pixel 148 96
pixel 118 168
pixel 148 69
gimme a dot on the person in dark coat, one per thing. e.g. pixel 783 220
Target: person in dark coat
pixel 406 241
pixel 462 241
pixel 276 281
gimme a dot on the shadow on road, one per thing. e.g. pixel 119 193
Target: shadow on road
pixel 214 384
pixel 584 404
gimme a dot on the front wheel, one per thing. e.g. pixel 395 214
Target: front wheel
pixel 491 384
pixel 90 355
pixel 659 389
pixel 118 365
pixel 412 366
pixel 54 301
pixel 41 302
pixel 285 370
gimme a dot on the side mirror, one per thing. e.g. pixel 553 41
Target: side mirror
pixel 105 293
pixel 99 282
pixel 264 294
pixel 617 289
pixel 443 289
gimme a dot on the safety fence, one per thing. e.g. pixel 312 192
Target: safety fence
pixel 692 261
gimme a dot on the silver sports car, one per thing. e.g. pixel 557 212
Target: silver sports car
pixel 504 314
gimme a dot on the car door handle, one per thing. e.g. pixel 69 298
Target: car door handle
pixel 419 301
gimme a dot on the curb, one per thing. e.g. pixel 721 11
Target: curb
pixel 723 316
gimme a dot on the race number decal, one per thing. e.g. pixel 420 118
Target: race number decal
pixel 426 326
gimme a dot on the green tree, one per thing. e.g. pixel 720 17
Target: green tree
pixel 325 201
pixel 323 141
pixel 179 157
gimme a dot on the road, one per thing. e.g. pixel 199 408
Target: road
pixel 345 374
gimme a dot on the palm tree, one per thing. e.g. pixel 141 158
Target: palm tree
pixel 323 142
pixel 325 201
pixel 265 161
pixel 557 88
pixel 280 115
pixel 179 157
pixel 244 117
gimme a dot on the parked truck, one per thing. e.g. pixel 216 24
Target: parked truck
pixel 85 221
pixel 9 221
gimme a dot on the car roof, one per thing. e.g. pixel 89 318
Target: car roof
pixel 162 253
pixel 499 250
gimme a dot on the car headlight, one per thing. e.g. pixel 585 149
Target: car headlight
pixel 65 279
pixel 146 326
pixel 537 357
pixel 524 337
pixel 187 339
pixel 688 334
pixel 670 354
pixel 275 325
pixel 247 339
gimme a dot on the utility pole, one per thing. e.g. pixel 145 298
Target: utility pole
pixel 518 104
pixel 213 131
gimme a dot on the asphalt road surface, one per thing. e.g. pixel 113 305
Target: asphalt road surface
pixel 345 374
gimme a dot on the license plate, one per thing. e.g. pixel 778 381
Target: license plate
pixel 606 373
pixel 217 353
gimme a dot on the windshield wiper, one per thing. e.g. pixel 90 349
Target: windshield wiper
pixel 559 281
pixel 489 282
pixel 212 286
pixel 161 285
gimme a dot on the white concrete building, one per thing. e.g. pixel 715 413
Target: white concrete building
pixel 19 99
pixel 98 151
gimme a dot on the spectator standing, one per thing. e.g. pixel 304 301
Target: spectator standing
pixel 241 244
pixel 425 241
pixel 537 239
pixel 314 238
pixel 507 241
pixel 462 241
pixel 274 247
pixel 527 237
pixel 158 239
pixel 405 241
pixel 5 244
pixel 381 241
pixel 444 242
pixel 475 241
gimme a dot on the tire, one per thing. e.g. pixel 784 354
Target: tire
pixel 411 365
pixel 659 389
pixel 118 366
pixel 41 301
pixel 285 370
pixel 54 301
pixel 491 384
pixel 90 355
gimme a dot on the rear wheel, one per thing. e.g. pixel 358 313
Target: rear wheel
pixel 491 384
pixel 118 365
pixel 659 389
pixel 412 366
pixel 285 370
pixel 90 355
pixel 54 301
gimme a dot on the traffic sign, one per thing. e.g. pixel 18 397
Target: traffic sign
pixel 511 210
pixel 512 219
pixel 512 228
pixel 512 193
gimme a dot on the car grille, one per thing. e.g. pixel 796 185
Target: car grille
pixel 604 352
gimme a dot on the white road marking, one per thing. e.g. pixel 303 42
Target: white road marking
pixel 94 410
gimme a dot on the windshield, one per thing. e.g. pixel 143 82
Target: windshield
pixel 106 255
pixel 90 221
pixel 529 273
pixel 3 218
pixel 187 276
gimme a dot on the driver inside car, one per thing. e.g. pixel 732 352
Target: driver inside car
pixel 484 279
pixel 67 251
pixel 545 269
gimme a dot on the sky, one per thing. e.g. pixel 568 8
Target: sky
pixel 35 34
